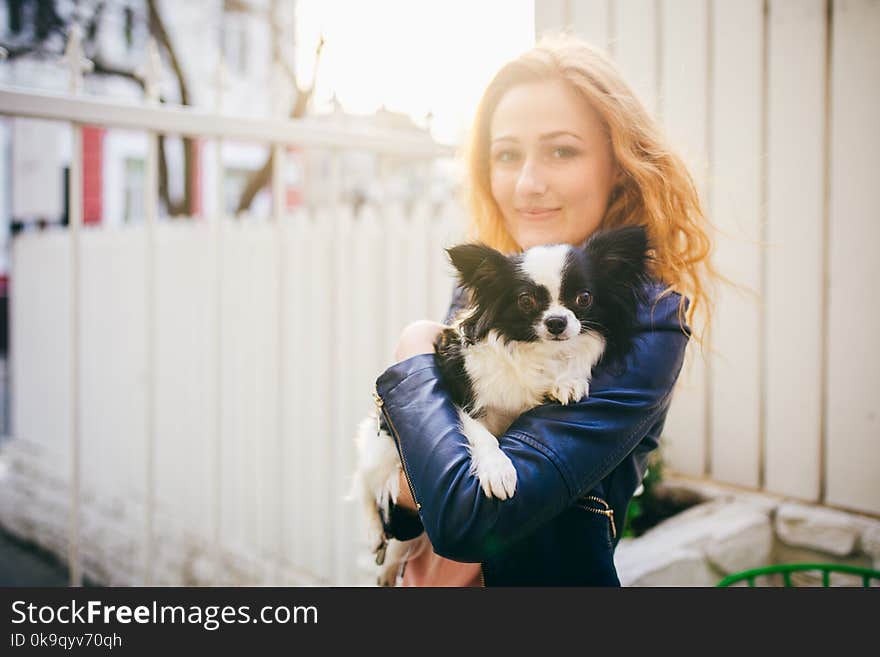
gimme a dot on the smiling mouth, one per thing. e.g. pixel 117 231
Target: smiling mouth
pixel 538 214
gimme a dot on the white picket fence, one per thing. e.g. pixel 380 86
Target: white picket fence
pixel 267 339
pixel 775 104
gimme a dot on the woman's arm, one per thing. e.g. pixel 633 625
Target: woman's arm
pixel 417 338
pixel 559 452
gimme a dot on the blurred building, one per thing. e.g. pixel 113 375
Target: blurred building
pixel 202 32
pixel 241 34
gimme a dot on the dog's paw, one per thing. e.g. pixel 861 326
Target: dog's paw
pixel 496 473
pixel 567 392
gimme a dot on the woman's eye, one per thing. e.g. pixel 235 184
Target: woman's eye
pixel 562 152
pixel 526 301
pixel 505 156
pixel 584 299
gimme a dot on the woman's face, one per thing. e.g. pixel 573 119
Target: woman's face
pixel 551 165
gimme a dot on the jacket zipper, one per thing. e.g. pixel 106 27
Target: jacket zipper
pixel 380 405
pixel 607 511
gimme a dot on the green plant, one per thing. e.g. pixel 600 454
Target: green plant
pixel 638 515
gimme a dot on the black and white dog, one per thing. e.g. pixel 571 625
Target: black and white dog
pixel 536 325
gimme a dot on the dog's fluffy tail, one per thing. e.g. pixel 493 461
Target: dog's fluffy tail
pixel 375 483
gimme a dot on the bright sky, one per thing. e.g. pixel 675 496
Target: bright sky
pixel 413 56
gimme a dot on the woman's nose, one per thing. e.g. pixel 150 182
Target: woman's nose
pixel 531 179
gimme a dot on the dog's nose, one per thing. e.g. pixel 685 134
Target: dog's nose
pixel 555 324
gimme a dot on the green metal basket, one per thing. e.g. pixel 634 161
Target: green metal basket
pixel 786 569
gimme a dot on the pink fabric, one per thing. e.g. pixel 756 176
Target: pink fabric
pixel 429 569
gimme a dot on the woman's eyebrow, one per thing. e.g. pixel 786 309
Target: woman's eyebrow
pixel 559 133
pixel 545 137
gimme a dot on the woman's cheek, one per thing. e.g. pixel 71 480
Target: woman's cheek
pixel 501 189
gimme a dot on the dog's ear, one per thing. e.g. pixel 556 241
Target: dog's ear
pixel 620 255
pixel 478 265
pixel 619 261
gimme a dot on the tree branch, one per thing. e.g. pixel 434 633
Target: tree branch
pixel 158 30
pixel 263 175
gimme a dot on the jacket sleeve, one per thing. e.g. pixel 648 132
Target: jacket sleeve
pixel 559 452
pixel 399 522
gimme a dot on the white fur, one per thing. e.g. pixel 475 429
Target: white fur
pixel 544 264
pixel 510 378
pixel 376 483
pixel 376 480
pixel 491 466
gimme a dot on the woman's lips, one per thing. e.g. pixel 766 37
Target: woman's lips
pixel 538 213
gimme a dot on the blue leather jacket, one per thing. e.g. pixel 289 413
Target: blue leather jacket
pixel 577 465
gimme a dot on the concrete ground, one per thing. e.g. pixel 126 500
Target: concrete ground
pixel 22 564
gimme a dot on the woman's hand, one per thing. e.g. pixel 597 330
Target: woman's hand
pixel 417 338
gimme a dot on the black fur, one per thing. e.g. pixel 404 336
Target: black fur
pixel 450 359
pixel 619 261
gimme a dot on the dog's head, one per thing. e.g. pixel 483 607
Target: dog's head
pixel 556 292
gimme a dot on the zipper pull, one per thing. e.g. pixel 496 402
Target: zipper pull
pixel 379 404
pixel 380 552
pixel 610 513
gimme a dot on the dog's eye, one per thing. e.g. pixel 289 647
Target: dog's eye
pixel 526 301
pixel 583 299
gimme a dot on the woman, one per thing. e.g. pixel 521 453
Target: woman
pixel 560 148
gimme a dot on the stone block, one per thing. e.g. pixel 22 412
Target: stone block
pixel 729 536
pixel 746 542
pixel 642 566
pixel 870 540
pixel 826 530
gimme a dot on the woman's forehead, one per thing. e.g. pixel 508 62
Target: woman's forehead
pixel 536 111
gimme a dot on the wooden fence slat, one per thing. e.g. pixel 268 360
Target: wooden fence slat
pixel 294 490
pixel 591 21
pixel 319 334
pixel 684 108
pixel 736 164
pixel 550 15
pixel 795 209
pixel 853 432
pixel 635 47
pixel 345 414
pixel 39 330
